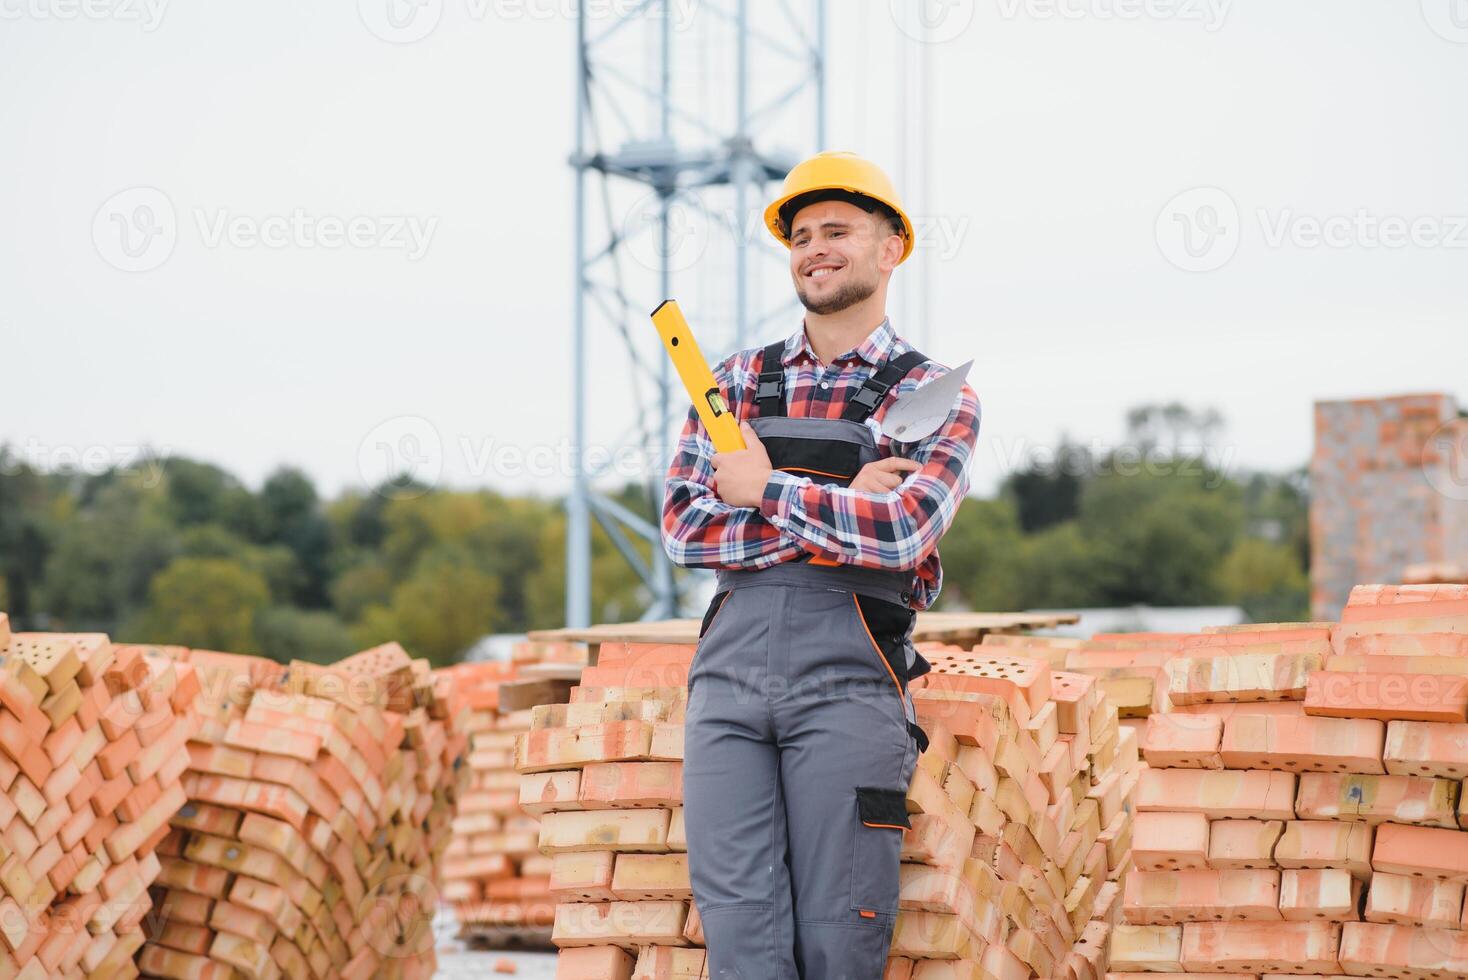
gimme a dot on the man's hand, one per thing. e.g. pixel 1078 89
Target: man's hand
pixel 882 475
pixel 740 476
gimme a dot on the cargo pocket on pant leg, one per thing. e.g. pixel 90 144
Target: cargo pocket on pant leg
pixel 876 850
pixel 716 605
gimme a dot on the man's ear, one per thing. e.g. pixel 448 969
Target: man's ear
pixel 891 253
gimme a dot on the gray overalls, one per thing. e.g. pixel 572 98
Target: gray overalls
pixel 801 738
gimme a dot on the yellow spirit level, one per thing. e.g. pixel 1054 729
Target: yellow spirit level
pixel 723 427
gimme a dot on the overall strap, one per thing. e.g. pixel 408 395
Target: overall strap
pixel 875 388
pixel 770 396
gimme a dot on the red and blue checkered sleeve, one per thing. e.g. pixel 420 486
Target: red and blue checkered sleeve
pixel 699 529
pixel 897 529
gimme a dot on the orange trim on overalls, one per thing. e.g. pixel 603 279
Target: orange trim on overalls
pixel 894 826
pixel 867 629
pixel 807 469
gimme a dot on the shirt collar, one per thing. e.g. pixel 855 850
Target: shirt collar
pixel 874 350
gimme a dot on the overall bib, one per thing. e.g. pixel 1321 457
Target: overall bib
pixel 801 739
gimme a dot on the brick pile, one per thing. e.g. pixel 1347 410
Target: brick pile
pixel 1302 811
pixel 318 806
pixel 1020 812
pixel 91 769
pixel 1388 489
pixel 1436 573
pixel 494 874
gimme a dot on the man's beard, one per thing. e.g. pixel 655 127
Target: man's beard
pixel 848 294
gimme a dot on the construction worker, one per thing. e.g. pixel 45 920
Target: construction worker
pixel 801 737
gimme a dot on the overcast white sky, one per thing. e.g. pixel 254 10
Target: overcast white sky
pixel 1064 132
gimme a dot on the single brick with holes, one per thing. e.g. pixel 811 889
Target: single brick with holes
pixel 1183 741
pixel 1243 843
pixel 1308 894
pixel 1303 744
pixel 1425 851
pixel 1411 901
pixel 1326 844
pixel 1420 748
pixel 1375 799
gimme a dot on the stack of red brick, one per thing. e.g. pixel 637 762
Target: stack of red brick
pixel 494 873
pixel 318 806
pixel 1020 812
pixel 91 762
pixel 1303 810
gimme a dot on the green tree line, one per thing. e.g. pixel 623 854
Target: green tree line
pixel 181 551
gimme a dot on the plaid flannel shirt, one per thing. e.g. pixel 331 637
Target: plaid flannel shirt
pixel 898 529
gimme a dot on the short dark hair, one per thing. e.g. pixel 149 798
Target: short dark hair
pixel 868 204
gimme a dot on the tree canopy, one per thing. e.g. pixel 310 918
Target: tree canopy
pixel 186 553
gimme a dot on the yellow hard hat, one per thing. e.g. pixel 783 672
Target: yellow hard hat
pixel 850 178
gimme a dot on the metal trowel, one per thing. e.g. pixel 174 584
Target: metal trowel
pixel 920 413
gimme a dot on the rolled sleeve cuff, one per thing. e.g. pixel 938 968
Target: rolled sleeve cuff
pixel 781 491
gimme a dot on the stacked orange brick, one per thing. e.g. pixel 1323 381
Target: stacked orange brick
pixel 494 873
pixel 318 806
pixel 91 758
pixel 1303 811
pixel 1020 814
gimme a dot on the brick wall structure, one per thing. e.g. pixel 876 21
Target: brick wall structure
pixel 1388 489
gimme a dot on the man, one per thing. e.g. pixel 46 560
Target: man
pixel 800 736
